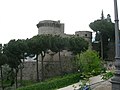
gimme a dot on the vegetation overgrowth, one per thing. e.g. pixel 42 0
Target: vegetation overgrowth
pixel 15 51
pixel 107 75
pixel 89 64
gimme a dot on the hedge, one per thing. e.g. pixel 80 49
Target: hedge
pixel 54 83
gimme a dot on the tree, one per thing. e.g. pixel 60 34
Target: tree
pixel 58 44
pixel 22 46
pixel 3 60
pixel 77 44
pixel 38 45
pixel 104 27
pixel 13 53
pixel 33 45
pixel 104 33
pixel 44 43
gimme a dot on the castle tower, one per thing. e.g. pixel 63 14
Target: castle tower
pixel 87 35
pixel 50 27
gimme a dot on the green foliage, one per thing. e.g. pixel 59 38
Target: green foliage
pixel 58 43
pixel 104 27
pixel 89 62
pixel 13 53
pixel 77 44
pixel 39 44
pixel 107 75
pixel 54 83
pixel 3 57
pixel 27 82
pixel 105 33
pixel 14 50
pixel 3 60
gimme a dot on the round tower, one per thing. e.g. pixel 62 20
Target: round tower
pixel 50 27
pixel 87 35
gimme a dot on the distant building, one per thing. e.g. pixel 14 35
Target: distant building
pixel 57 28
pixel 51 59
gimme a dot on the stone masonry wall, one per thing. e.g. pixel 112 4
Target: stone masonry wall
pixel 51 66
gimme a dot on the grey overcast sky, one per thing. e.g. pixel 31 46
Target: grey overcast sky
pixel 18 18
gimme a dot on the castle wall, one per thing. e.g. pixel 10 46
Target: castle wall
pixel 51 65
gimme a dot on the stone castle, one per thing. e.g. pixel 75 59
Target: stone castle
pixel 57 28
pixel 51 60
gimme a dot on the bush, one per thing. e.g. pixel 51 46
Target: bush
pixel 89 62
pixel 26 82
pixel 54 83
pixel 107 75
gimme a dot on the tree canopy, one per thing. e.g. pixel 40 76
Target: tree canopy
pixel 77 44
pixel 39 45
pixel 104 28
pixel 105 33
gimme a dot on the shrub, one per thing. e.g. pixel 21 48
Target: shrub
pixel 89 62
pixel 54 83
pixel 107 75
pixel 26 82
